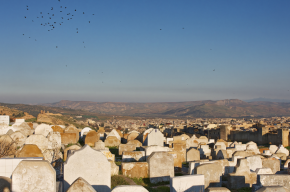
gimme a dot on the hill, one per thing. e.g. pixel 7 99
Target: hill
pixel 206 108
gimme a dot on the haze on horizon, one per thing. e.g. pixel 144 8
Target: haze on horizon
pixel 144 51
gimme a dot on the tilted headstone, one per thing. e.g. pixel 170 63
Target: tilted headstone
pixel 255 162
pixel 85 131
pixel 161 167
pixel 273 149
pixel 91 165
pixel 262 171
pixel 31 175
pixel 42 142
pixel 135 142
pixel 112 141
pixel 100 145
pixel 282 149
pixel 272 163
pixel 217 189
pixel 135 169
pixel 43 129
pixel 114 133
pixel 155 148
pixel 92 137
pixel 133 156
pixel 30 150
pixel 126 147
pixel 268 180
pixel 155 137
pixel 19 138
pixel 55 139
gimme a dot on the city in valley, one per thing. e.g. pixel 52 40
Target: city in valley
pixel 71 153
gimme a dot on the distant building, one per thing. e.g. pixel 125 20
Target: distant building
pixel 4 120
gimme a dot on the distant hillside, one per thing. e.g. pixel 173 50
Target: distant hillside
pixel 14 113
pixel 207 108
pixel 268 100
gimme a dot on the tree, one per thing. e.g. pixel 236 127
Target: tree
pixel 7 148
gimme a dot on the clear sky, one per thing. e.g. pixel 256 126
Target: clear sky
pixel 144 50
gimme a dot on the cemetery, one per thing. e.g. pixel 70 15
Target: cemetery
pixel 57 158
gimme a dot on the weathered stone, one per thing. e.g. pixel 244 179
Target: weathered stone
pixel 273 149
pixel 192 155
pixel 52 155
pixel 55 139
pixel 114 168
pixel 180 150
pixel 135 142
pixel 18 138
pixel 217 189
pixel 72 129
pixel 108 155
pixel 112 141
pixel 261 171
pixel 129 188
pixel 243 154
pixel 30 150
pixel 155 148
pixel 73 147
pixel 41 141
pixel 282 149
pixel 23 128
pixel 194 164
pixel 92 137
pixel 281 156
pixel 212 174
pixel 32 175
pixel 255 162
pixel 100 145
pixel 133 156
pixel 96 170
pixel 272 163
pixel 115 134
pixel 5 184
pixel 272 188
pixel 80 185
pixel 191 142
pixel 8 143
pixel 204 151
pixel 135 169
pixel 57 128
pixel 43 129
pixel 222 154
pixel 242 177
pixel 132 136
pixel 161 167
pixel 187 183
pixel 68 138
pixel 273 180
pixel 126 147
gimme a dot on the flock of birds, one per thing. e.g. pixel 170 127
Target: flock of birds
pixel 55 18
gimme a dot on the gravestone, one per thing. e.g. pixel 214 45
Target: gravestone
pixel 129 188
pixel 135 169
pixel 135 142
pixel 272 163
pixel 180 150
pixel 114 168
pixel 108 155
pixel 194 164
pixel 273 149
pixel 80 185
pixel 273 188
pixel 242 177
pixel 217 189
pixel 115 134
pixel 205 151
pixel 30 150
pixel 192 155
pixel 126 147
pixel 133 156
pixel 43 129
pixel 55 139
pixel 132 136
pixel 31 175
pixel 112 141
pixel 161 167
pixel 19 138
pixel 255 162
pixel 92 137
pixel 91 165
pixel 100 145
pixel 68 138
pixel 282 149
pixel 4 120
pixel 39 140
pixel 155 137
pixel 8 165
pixel 85 131
pixel 155 148
pixel 261 171
pixel 187 183
pixel 272 180
pixel 24 128
pixel 212 174
pixel 72 129
pixel 192 142
pixel 57 128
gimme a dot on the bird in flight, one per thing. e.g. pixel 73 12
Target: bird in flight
pixel 214 70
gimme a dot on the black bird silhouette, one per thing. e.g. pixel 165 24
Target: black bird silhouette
pixel 40 12
pixel 41 16
pixel 32 21
pixel 66 65
pixel 214 70
pixel 27 9
pixel 56 46
pixel 52 14
pixel 25 17
pixel 48 13
pixel 75 10
pixel 93 14
pixel 77 28
pixel 83 12
pixel 29 37
pixel 60 6
pixel 77 32
pixel 182 28
pixel 26 5
pixel 51 8
pixel 37 17
pixel 65 7
pixel 83 42
pixel 160 29
pixel 89 21
pixel 22 34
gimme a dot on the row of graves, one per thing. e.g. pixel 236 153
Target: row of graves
pixel 51 158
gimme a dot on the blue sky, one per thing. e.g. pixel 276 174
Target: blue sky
pixel 204 50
